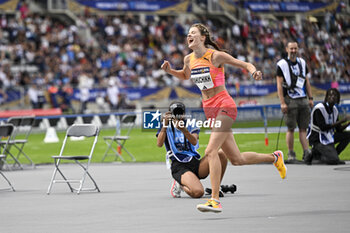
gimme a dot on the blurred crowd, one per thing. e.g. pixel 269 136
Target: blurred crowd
pixel 45 54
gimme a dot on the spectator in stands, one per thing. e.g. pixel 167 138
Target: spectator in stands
pixel 113 94
pixel 124 102
pixel 326 130
pixel 135 46
pixel 295 95
pixel 24 10
pixel 67 93
pixel 3 95
pixel 85 84
pixel 36 96
pixel 53 95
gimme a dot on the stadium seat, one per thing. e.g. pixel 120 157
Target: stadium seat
pixel 118 141
pixel 76 130
pixel 23 127
pixel 5 136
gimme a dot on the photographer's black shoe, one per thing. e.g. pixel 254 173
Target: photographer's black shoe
pixel 341 162
pixel 229 188
pixel 208 191
pixel 308 157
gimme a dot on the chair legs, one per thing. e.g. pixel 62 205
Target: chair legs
pixel 124 148
pixel 117 155
pixel 11 187
pixel 15 158
pixel 16 162
pixel 68 182
pixel 20 151
pixel 110 147
pixel 86 172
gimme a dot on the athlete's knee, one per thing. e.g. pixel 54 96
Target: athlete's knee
pixel 237 161
pixel 210 153
pixel 222 156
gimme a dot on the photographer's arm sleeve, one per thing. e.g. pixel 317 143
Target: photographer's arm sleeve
pixel 161 136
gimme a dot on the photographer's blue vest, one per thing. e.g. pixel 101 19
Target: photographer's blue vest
pixel 178 147
pixel 181 148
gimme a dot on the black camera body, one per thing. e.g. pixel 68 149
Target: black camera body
pixel 177 109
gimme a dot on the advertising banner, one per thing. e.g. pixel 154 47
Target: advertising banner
pixel 124 5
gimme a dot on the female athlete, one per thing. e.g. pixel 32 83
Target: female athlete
pixel 205 67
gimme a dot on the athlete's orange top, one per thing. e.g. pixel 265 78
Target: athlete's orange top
pixel 204 74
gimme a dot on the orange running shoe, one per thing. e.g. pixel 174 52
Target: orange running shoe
pixel 279 164
pixel 210 206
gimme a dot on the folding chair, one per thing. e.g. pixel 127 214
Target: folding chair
pixel 5 136
pixel 16 122
pixel 20 137
pixel 76 130
pixel 127 121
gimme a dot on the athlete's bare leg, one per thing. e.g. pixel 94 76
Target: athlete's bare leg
pixel 217 137
pixel 237 158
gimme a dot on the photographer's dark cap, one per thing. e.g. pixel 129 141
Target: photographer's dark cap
pixel 177 108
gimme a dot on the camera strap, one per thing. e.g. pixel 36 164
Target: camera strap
pixel 185 139
pixel 181 154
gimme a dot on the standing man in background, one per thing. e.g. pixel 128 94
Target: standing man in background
pixel 294 92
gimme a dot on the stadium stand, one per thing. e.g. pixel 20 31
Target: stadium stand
pixel 77 49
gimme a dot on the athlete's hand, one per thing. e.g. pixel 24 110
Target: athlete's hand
pixel 284 108
pixel 166 66
pixel 257 75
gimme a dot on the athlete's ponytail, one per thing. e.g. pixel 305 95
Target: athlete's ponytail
pixel 205 32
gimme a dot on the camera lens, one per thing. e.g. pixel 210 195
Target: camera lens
pixel 177 109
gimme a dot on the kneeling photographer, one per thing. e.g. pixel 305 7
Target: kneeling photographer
pixel 181 143
pixel 326 132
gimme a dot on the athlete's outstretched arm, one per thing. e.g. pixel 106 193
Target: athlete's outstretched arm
pixel 221 58
pixel 183 74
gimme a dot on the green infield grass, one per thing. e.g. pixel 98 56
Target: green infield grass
pixel 143 146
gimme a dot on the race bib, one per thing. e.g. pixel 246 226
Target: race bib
pixel 202 78
pixel 300 82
